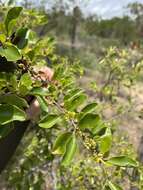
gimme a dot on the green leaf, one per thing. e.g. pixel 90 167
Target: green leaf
pixel 12 14
pixel 25 84
pixel 60 143
pixel 74 99
pixel 32 37
pixel 88 109
pixel 43 103
pixel 70 151
pixel 123 161
pixel 31 54
pixel 2 38
pixel 26 80
pixel 105 141
pixel 89 121
pixel 101 125
pixel 21 38
pixel 13 81
pixel 38 91
pixel 73 94
pixel 113 186
pixel 49 121
pixel 10 52
pixel 75 103
pixel 13 99
pixel 9 113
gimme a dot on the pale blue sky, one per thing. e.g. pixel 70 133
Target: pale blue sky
pixel 109 8
pixel 103 8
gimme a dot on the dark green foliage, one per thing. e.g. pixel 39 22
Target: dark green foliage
pixel 6 66
pixel 12 14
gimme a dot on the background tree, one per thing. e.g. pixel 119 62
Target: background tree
pixel 136 9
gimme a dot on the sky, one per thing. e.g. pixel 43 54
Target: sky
pixel 108 8
pixel 104 8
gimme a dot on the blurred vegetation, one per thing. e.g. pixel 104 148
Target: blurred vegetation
pixel 66 21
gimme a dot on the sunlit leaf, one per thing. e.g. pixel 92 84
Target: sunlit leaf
pixel 123 161
pixel 13 99
pixel 12 14
pixel 75 103
pixel 89 121
pixel 9 113
pixel 70 151
pixel 25 84
pixel 21 38
pixel 100 127
pixel 73 94
pixel 105 141
pixel 38 91
pixel 10 52
pixel 43 104
pixel 49 121
pixel 60 143
pixel 2 38
pixel 89 108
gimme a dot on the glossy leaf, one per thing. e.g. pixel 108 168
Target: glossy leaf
pixel 73 94
pixel 13 99
pixel 89 108
pixel 70 151
pixel 49 121
pixel 43 104
pixel 25 84
pixel 105 141
pixel 10 52
pixel 12 14
pixel 21 38
pixel 101 126
pixel 123 161
pixel 9 113
pixel 75 103
pixel 89 121
pixel 38 91
pixel 26 80
pixel 60 143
